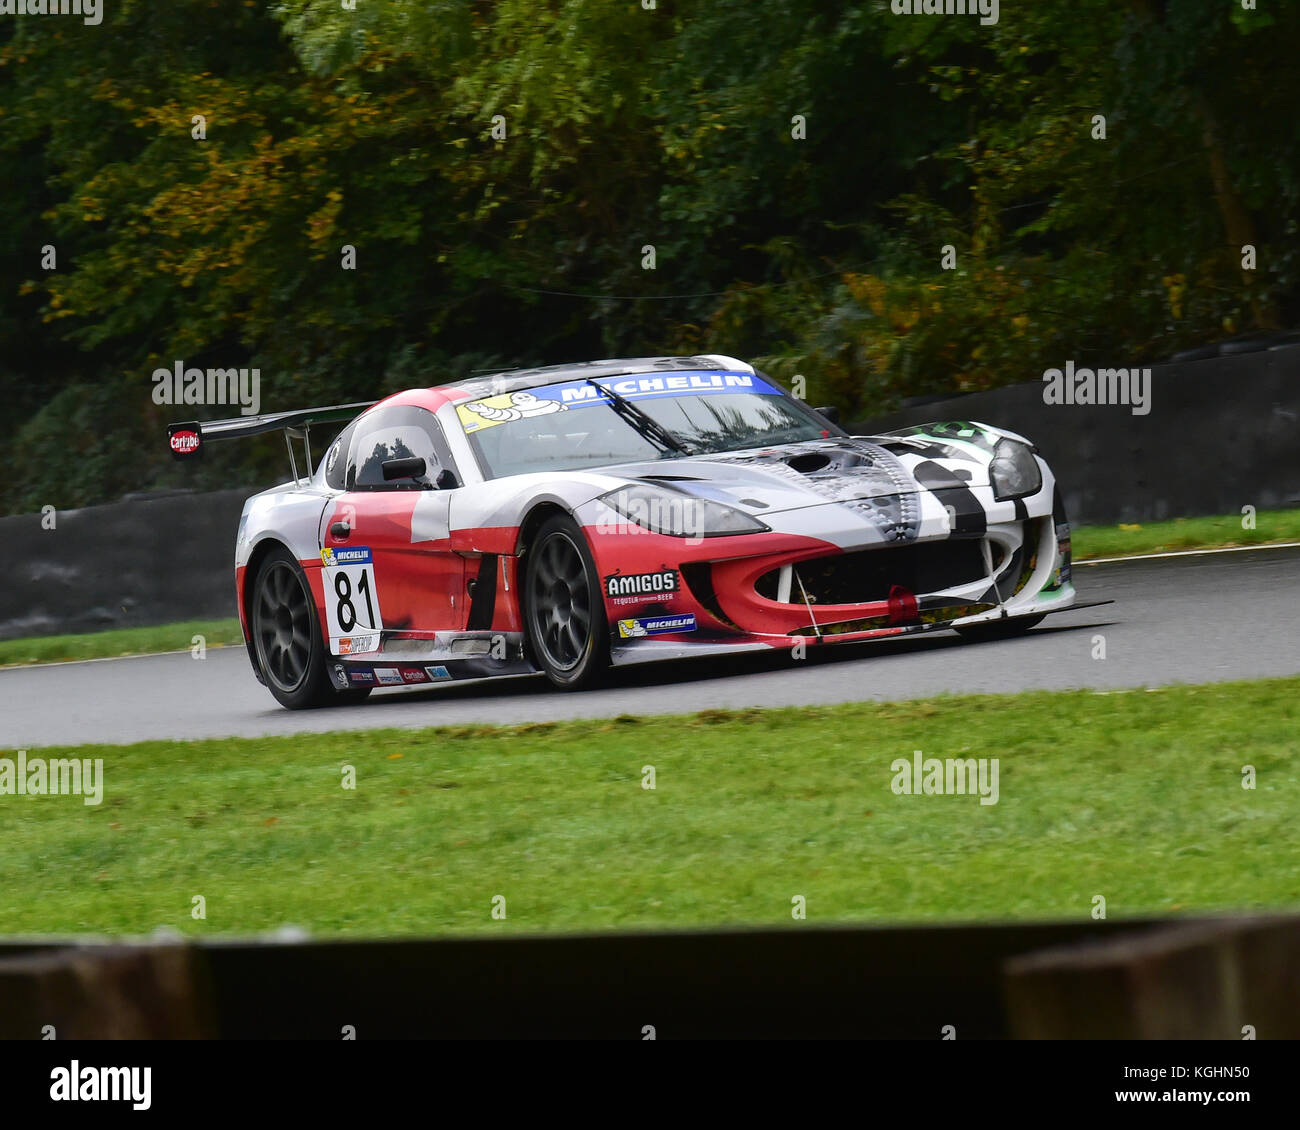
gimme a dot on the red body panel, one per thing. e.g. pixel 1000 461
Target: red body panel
pixel 735 563
pixel 240 580
pixel 421 584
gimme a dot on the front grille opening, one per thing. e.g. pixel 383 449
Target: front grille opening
pixel 1033 531
pixel 699 579
pixel 868 575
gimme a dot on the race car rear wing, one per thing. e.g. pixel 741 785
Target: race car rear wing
pixel 187 440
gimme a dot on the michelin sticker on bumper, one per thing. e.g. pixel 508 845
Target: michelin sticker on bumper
pixel 655 626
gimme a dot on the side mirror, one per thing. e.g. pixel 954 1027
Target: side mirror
pixel 403 468
pixel 446 480
pixel 830 412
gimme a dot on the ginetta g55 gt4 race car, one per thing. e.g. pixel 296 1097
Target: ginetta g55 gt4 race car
pixel 570 518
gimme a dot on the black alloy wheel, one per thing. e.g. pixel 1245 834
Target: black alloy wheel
pixel 568 633
pixel 287 637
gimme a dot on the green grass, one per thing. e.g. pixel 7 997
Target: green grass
pixel 1184 533
pixel 1136 796
pixel 120 641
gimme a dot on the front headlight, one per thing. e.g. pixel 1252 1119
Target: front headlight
pixel 664 511
pixel 1014 471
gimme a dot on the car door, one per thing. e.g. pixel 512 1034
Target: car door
pixel 389 569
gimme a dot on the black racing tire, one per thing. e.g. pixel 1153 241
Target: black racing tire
pixel 1007 629
pixel 564 608
pixel 287 637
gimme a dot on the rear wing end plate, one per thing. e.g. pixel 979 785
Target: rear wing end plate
pixel 187 439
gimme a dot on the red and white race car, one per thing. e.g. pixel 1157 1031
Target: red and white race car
pixel 576 517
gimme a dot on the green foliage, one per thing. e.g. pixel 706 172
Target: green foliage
pixel 799 167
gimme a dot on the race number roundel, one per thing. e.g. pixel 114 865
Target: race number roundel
pixel 351 600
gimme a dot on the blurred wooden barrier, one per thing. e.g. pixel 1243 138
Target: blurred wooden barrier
pixel 1149 978
pixel 1204 980
pixel 105 993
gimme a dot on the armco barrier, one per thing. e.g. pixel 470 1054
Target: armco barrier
pixel 124 565
pixel 1221 434
pixel 1174 978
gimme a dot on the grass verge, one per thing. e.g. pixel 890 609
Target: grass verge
pixel 1134 796
pixel 1184 533
pixel 120 641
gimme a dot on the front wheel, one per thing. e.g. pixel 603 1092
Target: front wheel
pixel 1000 629
pixel 565 610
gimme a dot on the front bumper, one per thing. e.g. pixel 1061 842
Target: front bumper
pixel 786 589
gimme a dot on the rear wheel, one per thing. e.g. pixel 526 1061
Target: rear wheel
pixel 1000 629
pixel 287 637
pixel 565 611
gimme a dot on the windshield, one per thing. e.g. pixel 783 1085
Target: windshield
pixel 571 425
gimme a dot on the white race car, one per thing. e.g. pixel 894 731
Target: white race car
pixel 576 517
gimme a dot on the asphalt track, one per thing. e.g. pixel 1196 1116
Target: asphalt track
pixel 1180 619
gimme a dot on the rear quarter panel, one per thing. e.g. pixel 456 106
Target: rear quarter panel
pixel 289 515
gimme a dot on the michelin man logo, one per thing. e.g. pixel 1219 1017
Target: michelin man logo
pixel 522 404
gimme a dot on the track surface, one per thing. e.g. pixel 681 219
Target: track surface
pixel 1195 619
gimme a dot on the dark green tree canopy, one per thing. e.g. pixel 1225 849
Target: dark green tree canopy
pixel 885 205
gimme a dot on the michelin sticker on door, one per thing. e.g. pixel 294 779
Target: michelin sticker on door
pixel 351 599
